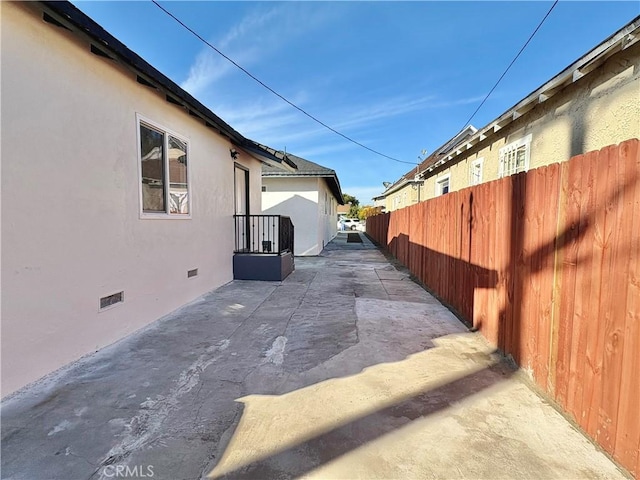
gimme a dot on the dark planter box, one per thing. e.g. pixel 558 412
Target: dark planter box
pixel 247 266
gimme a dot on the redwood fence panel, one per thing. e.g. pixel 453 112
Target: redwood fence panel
pixel 546 264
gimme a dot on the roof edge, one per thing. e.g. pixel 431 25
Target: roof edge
pixel 620 40
pixel 105 44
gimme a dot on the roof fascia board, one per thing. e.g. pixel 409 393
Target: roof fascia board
pixel 83 26
pixel 264 155
pixel 620 40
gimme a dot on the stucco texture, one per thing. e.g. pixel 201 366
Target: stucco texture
pixel 71 222
pixel 599 109
pixel 309 203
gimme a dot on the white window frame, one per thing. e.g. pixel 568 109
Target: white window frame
pixel 142 120
pixel 514 146
pixel 439 181
pixel 479 162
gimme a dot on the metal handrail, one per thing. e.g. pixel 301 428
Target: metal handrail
pixel 263 234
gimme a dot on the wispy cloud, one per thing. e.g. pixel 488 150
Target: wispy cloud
pixel 209 66
pixel 253 41
pixel 275 123
pixel 250 41
pixel 458 101
pixel 325 149
pixel 386 108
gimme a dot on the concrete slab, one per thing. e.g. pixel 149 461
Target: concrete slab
pixel 347 369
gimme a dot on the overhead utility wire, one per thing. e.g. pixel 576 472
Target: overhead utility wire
pixel 510 65
pixel 276 93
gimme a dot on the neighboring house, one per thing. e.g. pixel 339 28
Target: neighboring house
pixel 343 210
pixel 309 195
pixel 118 190
pixel 409 189
pixel 380 202
pixel 592 103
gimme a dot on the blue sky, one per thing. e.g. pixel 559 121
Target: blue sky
pixel 398 77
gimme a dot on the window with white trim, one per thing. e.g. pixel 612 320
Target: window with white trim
pixel 475 172
pixel 443 185
pixel 514 157
pixel 164 184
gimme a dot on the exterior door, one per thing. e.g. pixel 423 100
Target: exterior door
pixel 241 190
pixel 241 207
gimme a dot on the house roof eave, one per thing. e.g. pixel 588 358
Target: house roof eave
pixel 102 43
pixel 620 40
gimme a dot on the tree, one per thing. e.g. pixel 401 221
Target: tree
pixel 354 210
pixel 350 199
pixel 368 211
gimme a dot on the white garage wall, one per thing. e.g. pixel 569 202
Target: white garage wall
pixel 297 198
pixel 327 214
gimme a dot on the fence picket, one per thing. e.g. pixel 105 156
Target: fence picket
pixel 547 265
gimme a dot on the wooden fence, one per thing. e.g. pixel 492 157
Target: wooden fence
pixel 547 265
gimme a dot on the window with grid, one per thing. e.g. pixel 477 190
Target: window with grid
pixel 163 166
pixel 443 185
pixel 514 157
pixel 475 172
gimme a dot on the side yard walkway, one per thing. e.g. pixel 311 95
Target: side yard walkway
pixel 347 369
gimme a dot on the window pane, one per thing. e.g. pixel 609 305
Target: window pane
pixel 476 174
pixel 178 188
pixel 152 155
pixel 444 186
pixel 520 155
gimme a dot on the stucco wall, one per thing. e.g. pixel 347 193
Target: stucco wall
pixel 600 109
pixel 297 198
pixel 403 197
pixel 327 215
pixel 305 200
pixel 71 227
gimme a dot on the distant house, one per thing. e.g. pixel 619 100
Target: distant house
pixel 310 195
pixel 118 188
pixel 380 202
pixel 409 188
pixel 592 103
pixel 343 210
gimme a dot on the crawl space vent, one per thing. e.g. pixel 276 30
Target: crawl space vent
pixel 111 300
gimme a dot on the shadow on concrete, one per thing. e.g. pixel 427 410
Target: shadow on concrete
pixel 566 223
pixel 285 436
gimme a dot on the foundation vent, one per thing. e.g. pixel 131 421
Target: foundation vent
pixel 192 273
pixel 111 300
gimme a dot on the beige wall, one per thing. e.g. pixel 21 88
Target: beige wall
pixel 600 109
pixel 403 197
pixel 71 226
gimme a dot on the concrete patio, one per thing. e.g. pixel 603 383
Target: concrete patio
pixel 347 369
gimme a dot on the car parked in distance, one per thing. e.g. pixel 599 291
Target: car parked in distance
pixel 350 223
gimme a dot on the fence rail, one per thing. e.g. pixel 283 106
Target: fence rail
pixel 547 265
pixel 263 234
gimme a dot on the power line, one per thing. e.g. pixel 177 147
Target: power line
pixel 510 65
pixel 276 93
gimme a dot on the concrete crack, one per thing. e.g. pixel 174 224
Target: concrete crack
pixel 153 412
